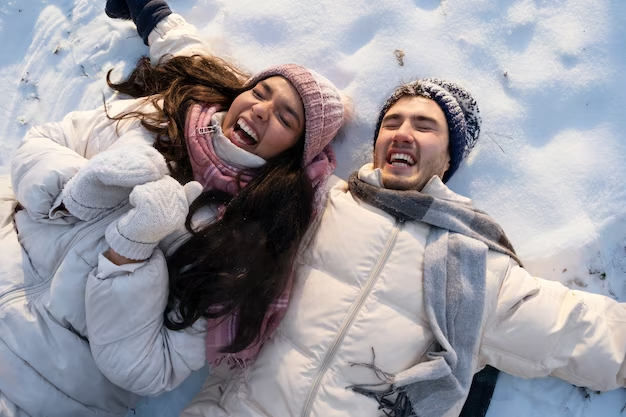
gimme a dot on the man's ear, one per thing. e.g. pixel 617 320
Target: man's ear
pixel 446 166
pixel 374 147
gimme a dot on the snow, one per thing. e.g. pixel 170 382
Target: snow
pixel 549 77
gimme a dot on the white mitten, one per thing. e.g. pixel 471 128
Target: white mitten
pixel 159 208
pixel 108 178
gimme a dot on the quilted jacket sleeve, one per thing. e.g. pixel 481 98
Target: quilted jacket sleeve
pixel 48 156
pixel 131 346
pixel 541 328
pixel 52 153
pixel 207 401
pixel 174 36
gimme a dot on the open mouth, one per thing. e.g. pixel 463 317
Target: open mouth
pixel 244 133
pixel 397 159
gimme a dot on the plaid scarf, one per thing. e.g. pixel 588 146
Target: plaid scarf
pixel 455 265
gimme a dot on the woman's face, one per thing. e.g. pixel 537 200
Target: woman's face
pixel 266 120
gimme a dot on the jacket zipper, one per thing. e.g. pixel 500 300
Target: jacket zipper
pixel 351 316
pixel 206 130
pixel 10 295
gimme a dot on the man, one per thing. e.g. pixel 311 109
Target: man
pixel 406 291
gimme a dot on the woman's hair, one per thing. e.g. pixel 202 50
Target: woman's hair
pixel 180 82
pixel 242 262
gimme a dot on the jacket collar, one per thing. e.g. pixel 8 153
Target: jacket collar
pixel 434 187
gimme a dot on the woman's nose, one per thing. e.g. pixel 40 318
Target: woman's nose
pixel 261 110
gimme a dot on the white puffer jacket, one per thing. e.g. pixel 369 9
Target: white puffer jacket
pixel 359 289
pixel 71 322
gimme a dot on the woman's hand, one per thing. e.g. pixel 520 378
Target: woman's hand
pixel 159 208
pixel 144 13
pixel 117 9
pixel 108 178
pixel 118 259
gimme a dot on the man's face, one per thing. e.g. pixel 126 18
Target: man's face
pixel 412 144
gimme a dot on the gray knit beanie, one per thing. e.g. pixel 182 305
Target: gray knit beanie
pixel 459 107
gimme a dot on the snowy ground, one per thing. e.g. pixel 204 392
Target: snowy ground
pixel 549 76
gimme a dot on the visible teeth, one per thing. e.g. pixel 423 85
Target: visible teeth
pixel 399 164
pixel 242 124
pixel 395 157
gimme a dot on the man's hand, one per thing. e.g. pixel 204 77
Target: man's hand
pixel 105 182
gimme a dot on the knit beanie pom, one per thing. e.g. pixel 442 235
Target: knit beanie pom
pixel 459 107
pixel 323 105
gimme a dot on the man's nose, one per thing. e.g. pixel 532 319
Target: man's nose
pixel 404 134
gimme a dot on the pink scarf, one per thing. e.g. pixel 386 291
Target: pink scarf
pixel 208 168
pixel 221 332
pixel 214 173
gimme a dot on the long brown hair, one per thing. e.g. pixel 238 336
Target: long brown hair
pixel 180 82
pixel 243 261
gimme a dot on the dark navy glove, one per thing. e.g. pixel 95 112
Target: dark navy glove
pixel 117 9
pixel 144 13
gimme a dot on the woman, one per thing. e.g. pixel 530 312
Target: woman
pixel 85 289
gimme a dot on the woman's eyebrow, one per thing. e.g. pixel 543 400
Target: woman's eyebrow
pixel 293 113
pixel 266 88
pixel 287 107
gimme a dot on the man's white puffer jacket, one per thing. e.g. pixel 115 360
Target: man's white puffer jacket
pixel 358 291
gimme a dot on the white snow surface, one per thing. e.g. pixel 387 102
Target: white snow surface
pixel 548 75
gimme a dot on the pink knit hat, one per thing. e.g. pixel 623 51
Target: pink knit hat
pixel 323 107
